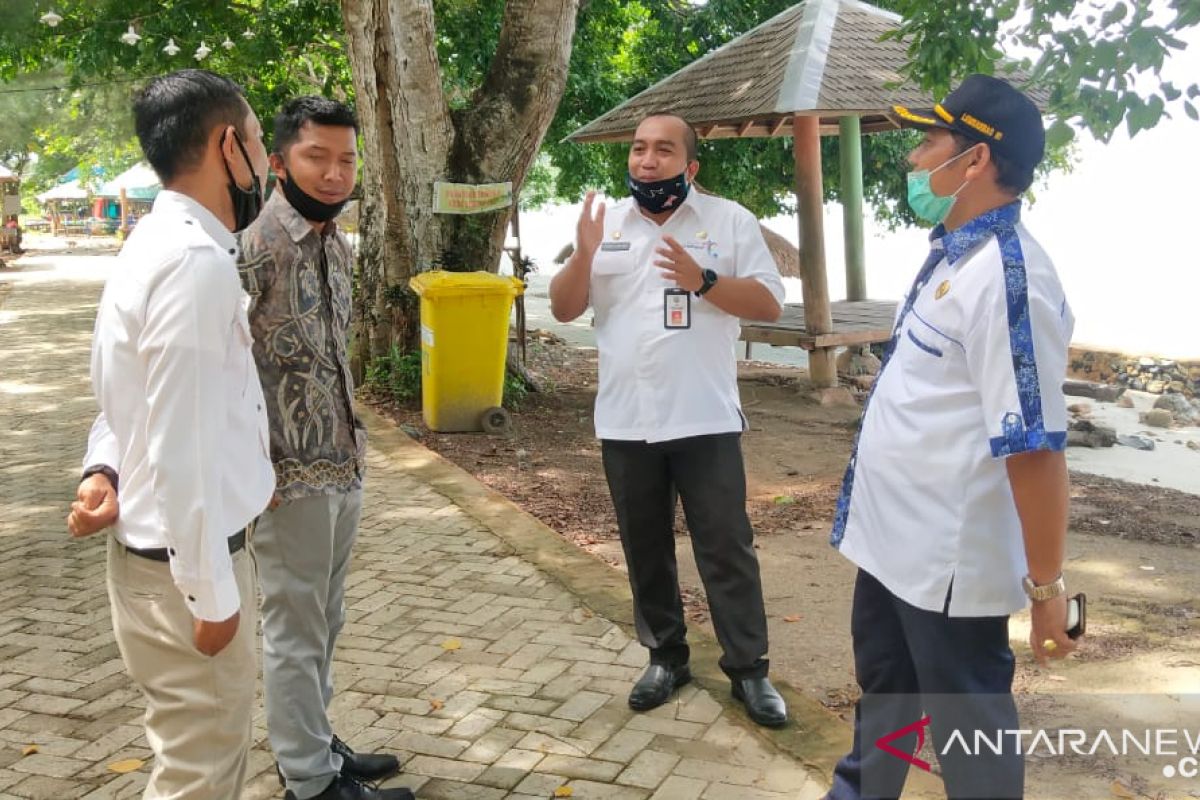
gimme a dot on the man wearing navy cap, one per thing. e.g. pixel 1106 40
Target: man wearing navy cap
pixel 954 504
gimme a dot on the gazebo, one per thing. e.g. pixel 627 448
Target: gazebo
pixel 138 184
pixel 67 192
pixel 818 68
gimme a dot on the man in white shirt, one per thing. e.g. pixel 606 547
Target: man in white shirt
pixel 183 420
pixel 956 494
pixel 668 273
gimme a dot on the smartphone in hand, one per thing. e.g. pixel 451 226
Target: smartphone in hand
pixel 1077 615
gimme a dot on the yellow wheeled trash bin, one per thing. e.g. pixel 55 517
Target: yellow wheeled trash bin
pixel 464 344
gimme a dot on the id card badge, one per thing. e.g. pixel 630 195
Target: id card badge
pixel 677 309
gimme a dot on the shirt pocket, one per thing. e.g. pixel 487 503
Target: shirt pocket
pixel 934 354
pixel 613 262
pixel 930 347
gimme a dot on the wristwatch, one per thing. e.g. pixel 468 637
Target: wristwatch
pixel 1045 592
pixel 710 280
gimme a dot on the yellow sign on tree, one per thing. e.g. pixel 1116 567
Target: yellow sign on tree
pixel 466 198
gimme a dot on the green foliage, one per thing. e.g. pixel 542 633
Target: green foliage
pixel 515 391
pixel 396 375
pixel 1091 54
pixel 539 188
pixel 60 127
pixel 84 70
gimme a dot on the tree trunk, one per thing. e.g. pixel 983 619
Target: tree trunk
pixel 412 139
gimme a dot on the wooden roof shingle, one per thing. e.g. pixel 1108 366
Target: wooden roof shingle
pixel 818 58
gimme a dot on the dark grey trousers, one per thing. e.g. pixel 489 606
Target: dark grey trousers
pixel 708 474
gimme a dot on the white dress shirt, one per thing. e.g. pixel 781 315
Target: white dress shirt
pixel 182 417
pixel 975 375
pixel 659 384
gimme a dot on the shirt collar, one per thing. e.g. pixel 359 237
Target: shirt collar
pixel 296 226
pixel 171 202
pixel 957 243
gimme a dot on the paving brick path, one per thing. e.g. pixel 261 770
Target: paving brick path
pixel 489 678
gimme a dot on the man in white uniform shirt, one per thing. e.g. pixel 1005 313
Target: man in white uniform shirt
pixel 956 495
pixel 182 418
pixel 668 273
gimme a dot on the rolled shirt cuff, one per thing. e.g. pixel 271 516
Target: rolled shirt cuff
pixel 211 600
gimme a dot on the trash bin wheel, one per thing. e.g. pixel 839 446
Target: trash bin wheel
pixel 496 420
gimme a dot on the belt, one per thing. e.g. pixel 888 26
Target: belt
pixel 236 542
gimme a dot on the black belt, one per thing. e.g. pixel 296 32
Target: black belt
pixel 236 542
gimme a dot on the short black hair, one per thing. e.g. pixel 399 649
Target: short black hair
pixel 309 108
pixel 175 114
pixel 1009 177
pixel 691 139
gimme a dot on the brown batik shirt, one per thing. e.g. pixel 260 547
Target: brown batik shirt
pixel 299 282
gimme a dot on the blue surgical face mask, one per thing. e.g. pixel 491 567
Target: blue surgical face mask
pixel 921 198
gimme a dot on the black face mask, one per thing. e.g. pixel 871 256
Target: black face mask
pixel 658 196
pixel 246 202
pixel 308 206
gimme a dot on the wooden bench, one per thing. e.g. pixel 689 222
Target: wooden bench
pixel 854 323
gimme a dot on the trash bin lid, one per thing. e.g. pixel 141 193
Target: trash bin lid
pixel 439 283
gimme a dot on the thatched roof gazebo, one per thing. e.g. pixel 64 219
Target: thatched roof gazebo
pixel 818 68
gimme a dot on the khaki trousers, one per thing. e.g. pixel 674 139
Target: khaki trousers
pixel 198 709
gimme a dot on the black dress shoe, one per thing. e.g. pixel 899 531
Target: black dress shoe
pixel 763 703
pixel 344 787
pixel 657 684
pixel 365 766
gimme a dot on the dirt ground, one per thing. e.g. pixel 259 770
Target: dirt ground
pixel 1133 549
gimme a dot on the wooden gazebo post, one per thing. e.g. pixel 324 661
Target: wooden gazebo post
pixel 818 316
pixel 124 201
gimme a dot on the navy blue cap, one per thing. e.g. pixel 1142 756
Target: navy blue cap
pixel 986 109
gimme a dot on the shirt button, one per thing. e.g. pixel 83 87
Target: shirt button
pixel 191 599
pixel 259 408
pixel 171 551
pixel 232 251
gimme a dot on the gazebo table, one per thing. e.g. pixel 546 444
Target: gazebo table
pixel 855 322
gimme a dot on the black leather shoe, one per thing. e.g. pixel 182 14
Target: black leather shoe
pixel 344 787
pixel 365 766
pixel 763 703
pixel 656 685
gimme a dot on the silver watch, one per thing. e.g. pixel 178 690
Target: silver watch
pixel 1045 592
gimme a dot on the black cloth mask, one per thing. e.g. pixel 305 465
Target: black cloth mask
pixel 247 203
pixel 308 206
pixel 658 196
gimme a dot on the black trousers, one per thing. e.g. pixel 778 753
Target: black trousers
pixel 912 663
pixel 709 477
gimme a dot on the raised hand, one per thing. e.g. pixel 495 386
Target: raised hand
pixel 589 232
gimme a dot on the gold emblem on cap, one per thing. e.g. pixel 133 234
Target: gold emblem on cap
pixel 942 290
pixel 702 235
pixel 616 234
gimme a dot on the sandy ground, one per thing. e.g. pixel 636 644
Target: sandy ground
pixel 1133 550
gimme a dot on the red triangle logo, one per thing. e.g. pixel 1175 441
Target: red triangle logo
pixel 884 743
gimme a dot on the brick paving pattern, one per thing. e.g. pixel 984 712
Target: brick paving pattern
pixel 489 679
